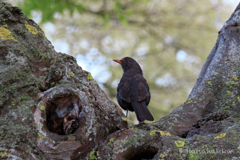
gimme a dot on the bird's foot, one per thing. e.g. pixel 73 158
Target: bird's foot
pixel 141 122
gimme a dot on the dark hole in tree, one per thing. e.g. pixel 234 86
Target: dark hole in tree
pixel 62 114
pixel 184 135
pixel 142 154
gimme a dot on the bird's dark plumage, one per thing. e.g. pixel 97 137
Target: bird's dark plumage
pixel 133 90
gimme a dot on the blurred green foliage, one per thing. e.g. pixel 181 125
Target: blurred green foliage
pixel 169 38
pixel 49 7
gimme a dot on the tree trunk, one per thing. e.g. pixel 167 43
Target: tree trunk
pixel 52 109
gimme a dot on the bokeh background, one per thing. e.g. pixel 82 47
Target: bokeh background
pixel 170 39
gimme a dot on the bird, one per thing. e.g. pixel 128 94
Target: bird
pixel 133 91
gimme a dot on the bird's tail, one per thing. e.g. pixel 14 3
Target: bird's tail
pixel 142 111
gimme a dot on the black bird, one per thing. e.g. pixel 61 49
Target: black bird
pixel 133 90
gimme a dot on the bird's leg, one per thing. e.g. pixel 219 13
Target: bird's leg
pixel 127 114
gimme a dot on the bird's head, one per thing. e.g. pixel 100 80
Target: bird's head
pixel 129 65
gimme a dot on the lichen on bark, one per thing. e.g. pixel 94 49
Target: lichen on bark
pixel 52 109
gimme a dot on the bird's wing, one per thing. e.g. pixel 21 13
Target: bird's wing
pixel 143 92
pixel 123 90
pixel 143 89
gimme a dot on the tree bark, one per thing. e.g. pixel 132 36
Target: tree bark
pixel 52 109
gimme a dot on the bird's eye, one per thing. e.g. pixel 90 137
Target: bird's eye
pixel 126 60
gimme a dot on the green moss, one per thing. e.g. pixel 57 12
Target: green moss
pixel 6 34
pixel 235 78
pixel 93 154
pixel 238 98
pixel 31 29
pixel 89 76
pixel 40 136
pixel 162 155
pixel 53 83
pixel 5 24
pixel 71 74
pixel 225 107
pixel 193 157
pixel 111 140
pixel 3 154
pixel 109 145
pixel 42 107
pixel 179 143
pixel 153 132
pixel 43 57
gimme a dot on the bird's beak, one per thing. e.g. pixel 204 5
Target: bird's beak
pixel 118 61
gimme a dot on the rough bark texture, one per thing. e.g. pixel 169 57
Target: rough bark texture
pixel 52 109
